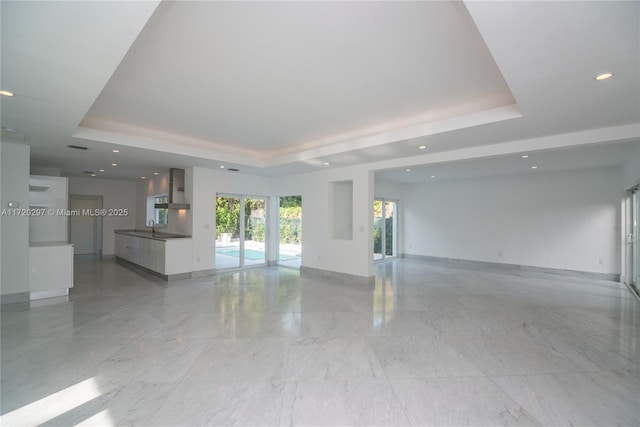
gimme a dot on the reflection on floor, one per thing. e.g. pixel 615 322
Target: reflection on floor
pixel 427 345
pixel 228 254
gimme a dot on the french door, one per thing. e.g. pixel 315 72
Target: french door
pixel 385 225
pixel 241 231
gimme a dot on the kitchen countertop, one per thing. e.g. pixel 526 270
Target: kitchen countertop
pixel 48 244
pixel 147 234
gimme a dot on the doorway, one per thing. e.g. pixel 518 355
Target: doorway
pixel 385 225
pixel 85 230
pixel 635 238
pixel 290 231
pixel 241 231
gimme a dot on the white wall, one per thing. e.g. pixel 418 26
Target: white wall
pixel 631 169
pixel 387 190
pixel 319 249
pixel 115 195
pixel 206 183
pixel 564 220
pixel 49 228
pixel 14 229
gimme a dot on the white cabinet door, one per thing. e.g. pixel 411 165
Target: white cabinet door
pixel 156 255
pixel 120 244
pixel 50 268
pixel 144 252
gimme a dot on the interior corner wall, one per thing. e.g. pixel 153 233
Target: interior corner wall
pixel 562 220
pixel 116 194
pixel 14 228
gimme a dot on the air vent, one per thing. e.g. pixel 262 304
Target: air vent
pixel 77 147
pixel 233 170
pixel 88 172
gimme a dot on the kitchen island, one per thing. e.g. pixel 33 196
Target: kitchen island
pixel 164 254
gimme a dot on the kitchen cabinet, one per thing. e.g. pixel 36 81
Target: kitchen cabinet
pixel 166 256
pixel 50 269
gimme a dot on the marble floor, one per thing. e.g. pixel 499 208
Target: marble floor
pixel 427 345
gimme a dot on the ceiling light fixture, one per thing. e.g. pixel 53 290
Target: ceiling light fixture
pixel 12 130
pixel 534 167
pixel 93 174
pixel 407 170
pixel 114 164
pixel 422 147
pixel 100 170
pixel 326 163
pixel 143 177
pixel 156 173
pixel 525 156
pixel 115 150
pixel 433 176
pixel 604 76
pixel 6 93
pixel 221 166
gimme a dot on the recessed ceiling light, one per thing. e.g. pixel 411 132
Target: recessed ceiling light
pixel 6 93
pixel 12 130
pixel 143 177
pixel 114 164
pixel 525 156
pixel 156 173
pixel 326 163
pixel 407 170
pixel 101 170
pixel 115 150
pixel 422 147
pixel 221 166
pixel 604 76
pixel 93 174
pixel 433 176
pixel 534 167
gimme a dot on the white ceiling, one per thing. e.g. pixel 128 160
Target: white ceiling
pixel 275 88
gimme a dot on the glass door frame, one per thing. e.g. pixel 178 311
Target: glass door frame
pixel 242 228
pixel 394 234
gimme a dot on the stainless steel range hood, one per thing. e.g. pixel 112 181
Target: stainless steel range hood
pixel 176 191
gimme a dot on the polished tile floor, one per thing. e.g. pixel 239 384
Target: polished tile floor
pixel 427 345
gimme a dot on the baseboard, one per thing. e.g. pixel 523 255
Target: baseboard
pixel 49 294
pixel 515 268
pixel 203 273
pixel 334 275
pixel 14 298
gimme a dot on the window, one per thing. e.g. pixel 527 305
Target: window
pixel 160 216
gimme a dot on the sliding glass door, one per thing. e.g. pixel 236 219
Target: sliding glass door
pixel 255 230
pixel 384 229
pixel 241 231
pixel 290 231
